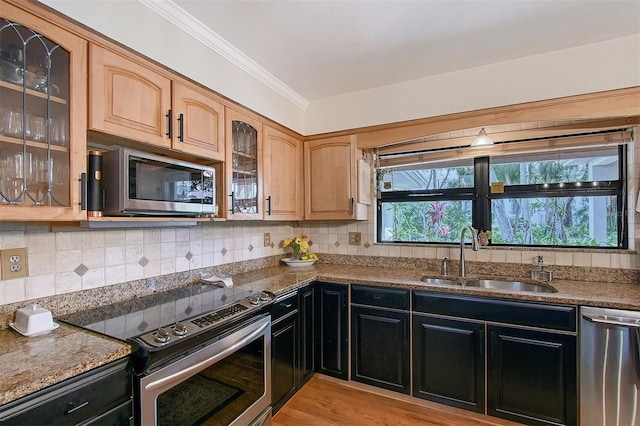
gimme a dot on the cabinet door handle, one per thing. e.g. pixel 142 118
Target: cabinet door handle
pixel 232 202
pixel 181 130
pixel 269 205
pixel 72 408
pixel 353 205
pixel 169 116
pixel 83 191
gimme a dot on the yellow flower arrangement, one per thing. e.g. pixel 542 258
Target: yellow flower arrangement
pixel 299 247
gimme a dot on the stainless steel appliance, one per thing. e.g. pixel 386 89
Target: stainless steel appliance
pixel 201 354
pixel 139 183
pixel 609 367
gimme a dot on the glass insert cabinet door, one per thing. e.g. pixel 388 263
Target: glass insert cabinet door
pixel 35 152
pixel 245 186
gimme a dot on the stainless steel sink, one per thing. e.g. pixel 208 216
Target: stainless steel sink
pixel 510 285
pixel 438 281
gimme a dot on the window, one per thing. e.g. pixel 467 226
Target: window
pixel 569 199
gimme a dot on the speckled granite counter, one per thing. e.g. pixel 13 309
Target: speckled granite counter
pixel 28 364
pixel 281 279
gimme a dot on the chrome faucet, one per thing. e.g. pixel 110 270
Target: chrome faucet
pixel 474 246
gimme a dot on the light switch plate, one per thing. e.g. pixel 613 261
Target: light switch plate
pixel 355 238
pixel 14 263
pixel 267 239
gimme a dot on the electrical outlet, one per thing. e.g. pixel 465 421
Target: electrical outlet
pixel 355 238
pixel 14 263
pixel 267 239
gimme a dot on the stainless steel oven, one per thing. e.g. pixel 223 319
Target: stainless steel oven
pixel 202 355
pixel 226 382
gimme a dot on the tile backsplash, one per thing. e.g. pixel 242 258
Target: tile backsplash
pixel 72 260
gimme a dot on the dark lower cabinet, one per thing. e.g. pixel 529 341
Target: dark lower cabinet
pixel 307 315
pixel 530 361
pixel 532 376
pixel 284 350
pixel 332 329
pixel 380 348
pixel 448 361
pixel 98 397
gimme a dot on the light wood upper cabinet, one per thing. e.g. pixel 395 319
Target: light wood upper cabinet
pixel 200 123
pixel 128 99
pixel 283 177
pixel 243 167
pixel 131 100
pixel 331 179
pixel 43 126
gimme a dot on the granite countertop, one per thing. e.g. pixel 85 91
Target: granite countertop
pixel 282 279
pixel 28 364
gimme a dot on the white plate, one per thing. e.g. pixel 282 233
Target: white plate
pixel 290 261
pixel 15 327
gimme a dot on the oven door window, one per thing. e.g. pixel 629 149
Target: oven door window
pixel 218 394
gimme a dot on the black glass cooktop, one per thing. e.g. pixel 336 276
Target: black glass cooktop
pixel 134 317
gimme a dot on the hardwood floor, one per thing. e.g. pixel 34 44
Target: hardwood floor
pixel 327 401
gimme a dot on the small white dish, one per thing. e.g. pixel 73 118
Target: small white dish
pixel 295 263
pixel 24 333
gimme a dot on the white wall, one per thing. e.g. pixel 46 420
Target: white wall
pixel 608 65
pixel 134 25
pixel 596 67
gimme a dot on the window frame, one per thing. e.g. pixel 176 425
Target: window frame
pixel 481 198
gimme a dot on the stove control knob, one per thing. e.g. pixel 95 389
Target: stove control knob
pixel 264 297
pixel 179 329
pixel 162 336
pixel 255 300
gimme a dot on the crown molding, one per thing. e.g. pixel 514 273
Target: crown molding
pixel 205 35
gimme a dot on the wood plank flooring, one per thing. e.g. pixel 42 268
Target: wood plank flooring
pixel 326 401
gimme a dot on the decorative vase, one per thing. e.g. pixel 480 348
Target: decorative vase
pixel 295 253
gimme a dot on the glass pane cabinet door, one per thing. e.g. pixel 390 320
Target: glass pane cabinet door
pixel 34 119
pixel 244 165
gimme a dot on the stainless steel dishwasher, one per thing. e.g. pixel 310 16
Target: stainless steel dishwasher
pixel 609 367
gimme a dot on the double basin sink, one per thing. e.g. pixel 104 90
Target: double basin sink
pixel 516 286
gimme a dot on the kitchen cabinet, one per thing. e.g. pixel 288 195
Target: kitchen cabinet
pixel 307 314
pixel 332 324
pixel 284 350
pixel 332 181
pixel 283 177
pixel 532 376
pixel 243 166
pixel 43 100
pixel 530 356
pixel 100 396
pixel 448 361
pixel 132 100
pixel 380 341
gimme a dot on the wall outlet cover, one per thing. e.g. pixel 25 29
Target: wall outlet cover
pixel 355 238
pixel 267 239
pixel 14 263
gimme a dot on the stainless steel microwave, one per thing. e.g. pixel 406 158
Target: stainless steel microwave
pixel 139 183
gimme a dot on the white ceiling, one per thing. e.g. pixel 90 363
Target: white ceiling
pixel 324 48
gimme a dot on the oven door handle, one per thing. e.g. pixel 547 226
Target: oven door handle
pixel 189 371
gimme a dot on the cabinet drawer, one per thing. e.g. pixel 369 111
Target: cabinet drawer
pixel 122 415
pixel 533 314
pixel 380 296
pixel 74 401
pixel 284 306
